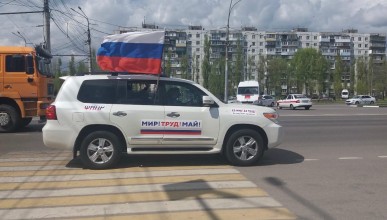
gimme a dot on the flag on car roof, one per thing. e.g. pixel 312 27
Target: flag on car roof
pixel 134 52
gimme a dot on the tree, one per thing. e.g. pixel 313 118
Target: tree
pixel 216 78
pixel 361 79
pixel 237 69
pixel 72 66
pixel 261 68
pixel 184 67
pixel 277 69
pixel 57 63
pixel 206 68
pixel 168 65
pixel 308 65
pixel 82 68
pixel 337 75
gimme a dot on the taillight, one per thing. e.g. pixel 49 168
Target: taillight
pixel 51 112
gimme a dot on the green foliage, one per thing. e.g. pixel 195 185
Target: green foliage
pixel 168 65
pixel 72 66
pixel 310 69
pixel 277 71
pixel 339 69
pixel 362 76
pixel 184 67
pixel 216 78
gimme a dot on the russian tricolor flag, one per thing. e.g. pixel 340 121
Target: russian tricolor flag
pixel 134 52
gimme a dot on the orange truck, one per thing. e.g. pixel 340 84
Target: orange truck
pixel 26 86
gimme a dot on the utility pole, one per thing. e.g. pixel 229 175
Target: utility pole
pixel 88 36
pixel 227 42
pixel 47 16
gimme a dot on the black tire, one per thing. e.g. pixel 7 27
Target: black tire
pixel 10 119
pixel 356 103
pixel 239 153
pixel 272 104
pixel 106 156
pixel 25 122
pixel 307 107
pixel 292 107
pixel 372 102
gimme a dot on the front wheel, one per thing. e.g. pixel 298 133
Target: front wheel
pixel 292 107
pixel 10 119
pixel 100 150
pixel 307 107
pixel 244 147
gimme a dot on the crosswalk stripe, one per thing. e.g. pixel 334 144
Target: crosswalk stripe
pixel 192 185
pixel 140 207
pixel 128 197
pixel 114 182
pixel 66 171
pixel 119 175
pixel 246 214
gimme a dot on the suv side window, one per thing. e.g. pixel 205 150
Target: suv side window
pixel 138 92
pixel 98 91
pixel 182 94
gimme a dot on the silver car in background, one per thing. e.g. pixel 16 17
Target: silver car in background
pixel 266 100
pixel 361 100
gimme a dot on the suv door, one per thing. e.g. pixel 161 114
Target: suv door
pixel 138 112
pixel 187 122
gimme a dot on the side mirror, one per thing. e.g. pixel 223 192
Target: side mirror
pixel 208 101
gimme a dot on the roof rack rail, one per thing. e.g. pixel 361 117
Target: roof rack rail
pixel 114 73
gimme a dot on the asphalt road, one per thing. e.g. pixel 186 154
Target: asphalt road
pixel 331 164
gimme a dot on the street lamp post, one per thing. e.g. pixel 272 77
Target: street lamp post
pixel 88 35
pixel 227 39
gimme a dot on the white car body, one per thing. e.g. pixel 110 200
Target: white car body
pixel 361 100
pixel 248 92
pixel 294 101
pixel 155 129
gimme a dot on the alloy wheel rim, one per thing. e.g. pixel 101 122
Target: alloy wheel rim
pixel 100 151
pixel 245 148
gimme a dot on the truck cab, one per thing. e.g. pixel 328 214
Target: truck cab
pixel 26 86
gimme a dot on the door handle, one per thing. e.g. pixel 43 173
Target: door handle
pixel 119 113
pixel 8 86
pixel 173 115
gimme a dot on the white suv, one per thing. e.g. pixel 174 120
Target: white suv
pixel 102 116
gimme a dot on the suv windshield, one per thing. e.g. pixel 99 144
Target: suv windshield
pixel 247 90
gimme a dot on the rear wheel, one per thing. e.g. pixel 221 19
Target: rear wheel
pixel 356 102
pixel 272 104
pixel 244 147
pixel 9 119
pixel 292 107
pixel 100 150
pixel 307 107
pixel 372 102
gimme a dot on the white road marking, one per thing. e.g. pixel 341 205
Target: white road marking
pixel 350 158
pixel 382 156
pixel 310 159
pixel 139 207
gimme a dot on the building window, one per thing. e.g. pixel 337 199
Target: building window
pixel 198 49
pixel 300 37
pixel 359 38
pixel 197 42
pixel 253 36
pixel 253 50
pixel 366 38
pixel 315 44
pixel 359 45
pixel 315 37
pixel 253 44
pixel 365 45
pixel 260 43
pixel 307 37
pixel 197 35
pixel 261 50
pixel 197 56
pixel 307 44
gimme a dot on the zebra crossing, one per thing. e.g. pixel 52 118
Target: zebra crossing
pixel 42 185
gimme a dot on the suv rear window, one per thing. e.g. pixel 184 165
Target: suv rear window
pixel 98 91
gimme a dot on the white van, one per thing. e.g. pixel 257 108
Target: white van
pixel 345 94
pixel 248 92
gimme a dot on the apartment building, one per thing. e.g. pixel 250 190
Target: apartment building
pixel 258 44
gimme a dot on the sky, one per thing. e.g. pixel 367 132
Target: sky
pixel 68 28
